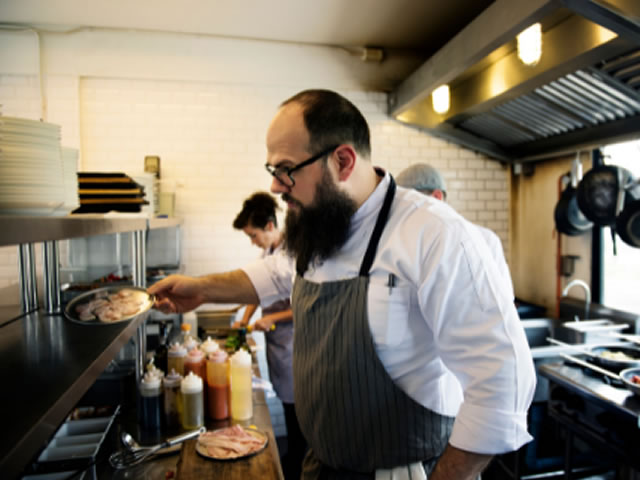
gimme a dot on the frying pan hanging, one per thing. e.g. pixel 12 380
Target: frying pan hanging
pixel 568 217
pixel 628 222
pixel 601 193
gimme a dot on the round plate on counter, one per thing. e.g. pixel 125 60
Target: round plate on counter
pixel 107 305
pixel 247 440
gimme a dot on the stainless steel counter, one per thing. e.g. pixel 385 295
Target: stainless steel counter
pixel 48 363
pixel 604 415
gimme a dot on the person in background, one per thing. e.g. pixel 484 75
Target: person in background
pixel 258 221
pixel 426 179
pixel 395 301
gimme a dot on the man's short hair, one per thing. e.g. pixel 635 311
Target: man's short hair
pixel 423 177
pixel 257 211
pixel 331 119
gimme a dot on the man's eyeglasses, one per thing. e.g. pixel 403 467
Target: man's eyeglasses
pixel 283 174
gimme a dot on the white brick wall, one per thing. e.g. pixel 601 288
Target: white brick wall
pixel 210 137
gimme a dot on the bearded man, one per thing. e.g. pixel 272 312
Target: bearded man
pixel 409 357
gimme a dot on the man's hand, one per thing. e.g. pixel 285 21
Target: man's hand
pixel 264 324
pixel 178 293
pixel 456 464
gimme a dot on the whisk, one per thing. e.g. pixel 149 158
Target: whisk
pixel 137 454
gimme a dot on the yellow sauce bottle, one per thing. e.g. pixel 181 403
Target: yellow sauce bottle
pixel 241 394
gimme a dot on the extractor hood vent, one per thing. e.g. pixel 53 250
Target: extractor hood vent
pixel 583 99
pixel 582 93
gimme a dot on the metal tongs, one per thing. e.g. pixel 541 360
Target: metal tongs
pixel 135 454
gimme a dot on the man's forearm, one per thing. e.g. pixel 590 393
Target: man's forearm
pixel 229 287
pixel 456 464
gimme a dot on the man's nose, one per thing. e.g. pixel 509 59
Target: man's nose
pixel 278 187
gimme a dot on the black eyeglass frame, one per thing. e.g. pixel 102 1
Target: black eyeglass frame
pixel 277 172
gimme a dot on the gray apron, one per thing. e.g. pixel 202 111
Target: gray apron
pixel 279 344
pixel 353 415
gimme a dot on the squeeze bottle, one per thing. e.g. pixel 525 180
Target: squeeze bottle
pixel 241 394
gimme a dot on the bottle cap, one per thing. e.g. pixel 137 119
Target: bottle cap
pixel 149 381
pixel 241 357
pixel 173 379
pixel 191 383
pixel 156 371
pixel 195 355
pixel 176 350
pixel 219 356
pixel 209 346
pixel 189 342
pixel 185 327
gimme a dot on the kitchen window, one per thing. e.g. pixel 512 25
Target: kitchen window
pixel 621 284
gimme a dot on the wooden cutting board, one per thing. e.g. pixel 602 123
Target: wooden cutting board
pixel 263 465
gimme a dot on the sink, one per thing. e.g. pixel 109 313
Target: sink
pixel 589 331
pixel 537 331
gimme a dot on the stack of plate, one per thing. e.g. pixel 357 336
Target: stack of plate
pixel 102 192
pixel 70 180
pixel 31 179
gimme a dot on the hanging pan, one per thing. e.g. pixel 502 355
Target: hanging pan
pixel 628 222
pixel 569 219
pixel 601 194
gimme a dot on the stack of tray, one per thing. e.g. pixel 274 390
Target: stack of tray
pixel 74 448
pixel 101 192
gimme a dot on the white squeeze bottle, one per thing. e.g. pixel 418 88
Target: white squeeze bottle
pixel 241 395
pixel 192 402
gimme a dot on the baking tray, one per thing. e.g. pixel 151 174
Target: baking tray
pixel 76 444
pixel 106 293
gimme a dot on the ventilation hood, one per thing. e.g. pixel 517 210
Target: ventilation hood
pixel 584 91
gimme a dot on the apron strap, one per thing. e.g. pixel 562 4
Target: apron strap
pixel 377 230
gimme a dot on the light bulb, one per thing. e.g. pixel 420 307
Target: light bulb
pixel 530 45
pixel 440 99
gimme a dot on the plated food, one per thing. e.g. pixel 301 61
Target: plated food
pixel 615 357
pixel 611 355
pixel 109 305
pixel 231 443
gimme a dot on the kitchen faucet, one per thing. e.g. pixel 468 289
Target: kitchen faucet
pixel 587 294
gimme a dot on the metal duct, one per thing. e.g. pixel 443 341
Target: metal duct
pixel 584 92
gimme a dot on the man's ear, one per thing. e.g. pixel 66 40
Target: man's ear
pixel 345 157
pixel 437 193
pixel 269 226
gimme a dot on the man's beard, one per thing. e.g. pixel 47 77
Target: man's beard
pixel 315 232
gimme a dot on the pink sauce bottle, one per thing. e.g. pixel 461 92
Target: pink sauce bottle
pixel 195 362
pixel 218 385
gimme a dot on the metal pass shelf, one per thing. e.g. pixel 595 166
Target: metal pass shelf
pixel 49 362
pixel 16 230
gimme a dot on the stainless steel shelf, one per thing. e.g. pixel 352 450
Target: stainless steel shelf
pixel 15 230
pixel 48 363
pixel 153 223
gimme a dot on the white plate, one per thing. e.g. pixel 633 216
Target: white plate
pixel 202 450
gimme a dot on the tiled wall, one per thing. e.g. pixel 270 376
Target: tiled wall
pixel 210 138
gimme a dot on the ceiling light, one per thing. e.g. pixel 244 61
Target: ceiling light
pixel 530 45
pixel 440 99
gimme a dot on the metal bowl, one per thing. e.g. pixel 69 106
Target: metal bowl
pixel 626 375
pixel 106 293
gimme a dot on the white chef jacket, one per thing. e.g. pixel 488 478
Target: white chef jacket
pixel 495 246
pixel 448 332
